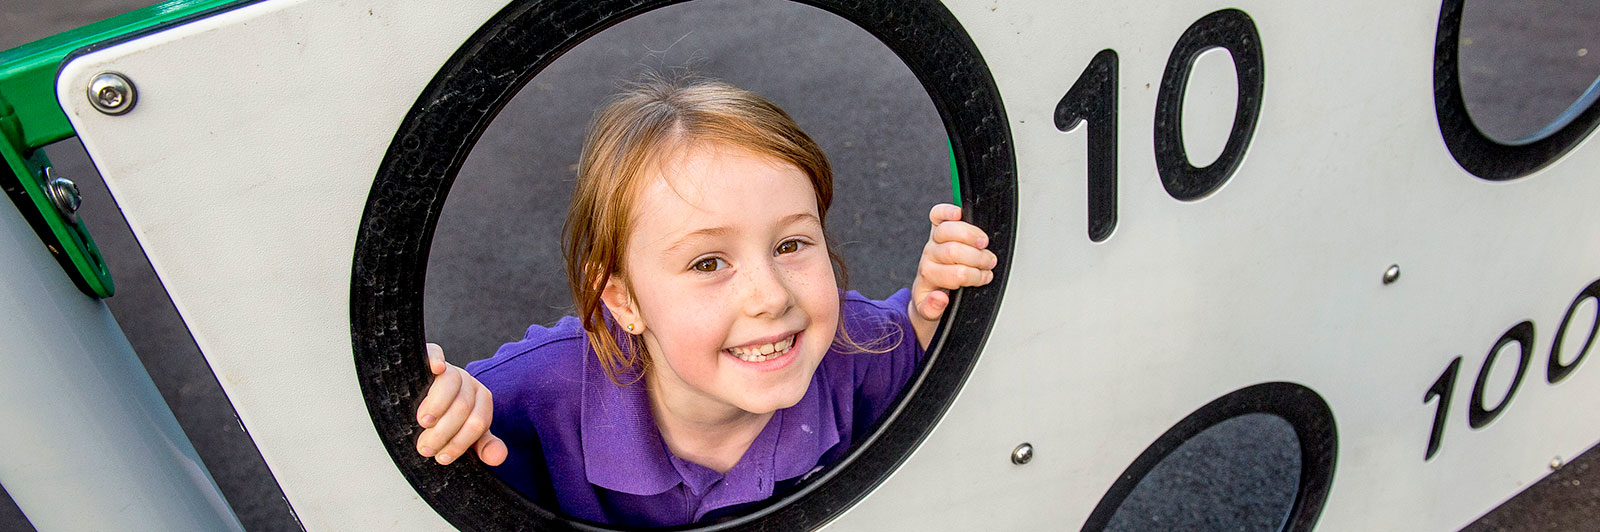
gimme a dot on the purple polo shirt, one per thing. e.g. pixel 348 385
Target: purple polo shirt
pixel 589 447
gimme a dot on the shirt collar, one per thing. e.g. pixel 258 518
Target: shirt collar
pixel 623 450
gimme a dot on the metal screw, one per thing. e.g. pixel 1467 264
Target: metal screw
pixel 1555 463
pixel 111 93
pixel 64 194
pixel 1022 454
pixel 1392 274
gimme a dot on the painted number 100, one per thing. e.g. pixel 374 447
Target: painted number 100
pixel 1480 415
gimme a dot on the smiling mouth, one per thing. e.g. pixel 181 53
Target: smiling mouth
pixel 762 353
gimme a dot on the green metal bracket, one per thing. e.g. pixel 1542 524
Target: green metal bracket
pixel 67 239
pixel 31 118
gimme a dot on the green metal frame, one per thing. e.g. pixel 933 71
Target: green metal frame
pixel 31 119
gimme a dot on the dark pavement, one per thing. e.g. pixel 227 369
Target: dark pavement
pixel 495 260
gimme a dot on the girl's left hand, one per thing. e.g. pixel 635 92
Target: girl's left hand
pixel 956 255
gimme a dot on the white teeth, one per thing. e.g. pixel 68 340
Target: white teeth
pixel 762 353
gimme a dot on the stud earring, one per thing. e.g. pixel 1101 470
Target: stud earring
pixel 630 327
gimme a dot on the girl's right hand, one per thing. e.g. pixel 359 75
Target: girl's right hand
pixel 456 415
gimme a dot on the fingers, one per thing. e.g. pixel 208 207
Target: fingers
pixel 960 254
pixel 491 450
pixel 944 212
pixel 953 276
pixel 434 441
pixel 445 388
pixel 960 245
pixel 932 306
pixel 956 231
pixel 456 415
pixel 473 427
pixel 436 363
pixel 955 256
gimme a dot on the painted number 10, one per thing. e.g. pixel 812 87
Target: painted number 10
pixel 1093 99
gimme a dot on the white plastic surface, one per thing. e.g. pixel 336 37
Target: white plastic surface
pixel 1208 106
pixel 88 442
pixel 248 208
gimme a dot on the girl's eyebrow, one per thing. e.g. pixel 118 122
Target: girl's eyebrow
pixel 797 217
pixel 723 230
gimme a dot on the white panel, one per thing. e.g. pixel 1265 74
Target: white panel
pixel 244 180
pixel 1102 347
pixel 243 172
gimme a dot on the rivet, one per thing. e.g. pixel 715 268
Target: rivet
pixel 1022 454
pixel 1392 274
pixel 111 93
pixel 1555 463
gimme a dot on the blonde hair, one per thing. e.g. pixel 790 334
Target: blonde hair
pixel 649 119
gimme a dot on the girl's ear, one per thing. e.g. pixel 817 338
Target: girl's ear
pixel 619 300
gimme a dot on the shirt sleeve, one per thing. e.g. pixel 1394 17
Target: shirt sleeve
pixel 525 468
pixel 885 354
pixel 535 384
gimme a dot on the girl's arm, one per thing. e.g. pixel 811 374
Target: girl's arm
pixel 456 414
pixel 955 256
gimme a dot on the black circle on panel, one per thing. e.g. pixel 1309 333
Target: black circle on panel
pixel 1473 150
pixel 1303 408
pixel 1232 30
pixel 1522 334
pixel 408 193
pixel 1556 371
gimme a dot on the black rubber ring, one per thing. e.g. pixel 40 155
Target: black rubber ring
pixel 1477 153
pixel 391 252
pixel 1313 426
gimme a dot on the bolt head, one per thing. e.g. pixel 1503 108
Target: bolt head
pixel 109 97
pixel 111 93
pixel 1392 274
pixel 1022 454
pixel 63 193
pixel 66 194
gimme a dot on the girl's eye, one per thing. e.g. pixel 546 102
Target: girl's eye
pixel 790 246
pixel 709 264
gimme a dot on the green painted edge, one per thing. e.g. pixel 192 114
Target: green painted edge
pixel 955 174
pixel 31 118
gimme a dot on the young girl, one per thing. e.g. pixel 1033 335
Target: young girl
pixel 714 361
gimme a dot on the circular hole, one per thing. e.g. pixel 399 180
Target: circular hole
pixel 1507 109
pixel 496 260
pixel 398 228
pixel 1240 474
pixel 495 266
pixel 1258 458
pixel 1517 89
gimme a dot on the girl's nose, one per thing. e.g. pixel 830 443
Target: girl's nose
pixel 766 295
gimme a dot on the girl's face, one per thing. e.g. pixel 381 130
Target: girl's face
pixel 731 280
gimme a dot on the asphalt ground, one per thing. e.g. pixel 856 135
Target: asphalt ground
pixel 495 263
